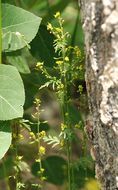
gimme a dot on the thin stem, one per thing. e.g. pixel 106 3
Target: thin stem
pixel 38 139
pixel 5 174
pixel 38 130
pixel 66 121
pixel 0 32
pixel 16 130
pixel 69 165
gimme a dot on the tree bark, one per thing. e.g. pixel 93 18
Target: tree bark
pixel 100 25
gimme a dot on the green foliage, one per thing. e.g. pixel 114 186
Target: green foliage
pixel 11 100
pixel 8 165
pixel 83 169
pixel 55 168
pixel 60 6
pixel 19 27
pixel 42 46
pixel 5 137
pixel 19 60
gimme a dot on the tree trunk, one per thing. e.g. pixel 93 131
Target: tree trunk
pixel 100 25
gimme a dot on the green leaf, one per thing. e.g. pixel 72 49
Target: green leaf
pixel 60 6
pixel 83 169
pixel 19 27
pixel 19 60
pixel 74 114
pixel 5 137
pixel 12 94
pixel 8 164
pixel 55 169
pixel 32 82
pixel 42 46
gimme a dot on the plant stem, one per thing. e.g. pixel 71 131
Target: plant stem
pixel 38 139
pixel 69 165
pixel 5 173
pixel 0 32
pixel 66 121
pixel 38 130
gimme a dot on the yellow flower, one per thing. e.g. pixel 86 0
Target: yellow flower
pixel 39 65
pixel 58 30
pixel 60 86
pixel 19 158
pixel 66 58
pixel 62 142
pixel 57 15
pixel 37 101
pixel 77 51
pixel 14 135
pixel 77 126
pixel 32 135
pixel 63 126
pixel 42 178
pixel 49 26
pixel 42 170
pixel 80 89
pixel 59 62
pixel 42 150
pixel 38 160
pixel 20 136
pixel 42 134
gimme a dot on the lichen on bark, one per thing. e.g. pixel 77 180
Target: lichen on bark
pixel 100 24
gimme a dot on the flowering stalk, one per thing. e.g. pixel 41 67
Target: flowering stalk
pixel 60 44
pixel 68 70
pixel 40 135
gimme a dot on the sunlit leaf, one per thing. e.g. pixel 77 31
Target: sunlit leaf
pixel 12 94
pixel 5 137
pixel 19 27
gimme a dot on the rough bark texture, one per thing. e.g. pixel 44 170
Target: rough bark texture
pixel 100 23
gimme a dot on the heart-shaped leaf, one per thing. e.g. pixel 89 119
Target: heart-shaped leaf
pixel 5 137
pixel 12 94
pixel 19 27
